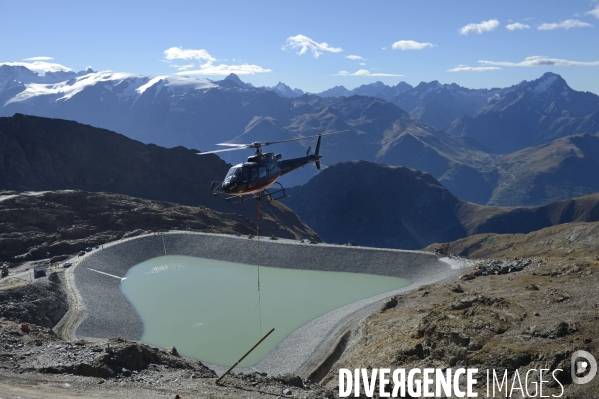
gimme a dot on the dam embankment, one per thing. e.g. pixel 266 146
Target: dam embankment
pixel 105 312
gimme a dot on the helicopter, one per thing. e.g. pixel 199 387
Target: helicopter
pixel 256 177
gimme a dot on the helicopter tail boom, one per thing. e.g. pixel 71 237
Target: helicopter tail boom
pixel 317 153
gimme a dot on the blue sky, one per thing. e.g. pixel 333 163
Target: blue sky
pixel 315 45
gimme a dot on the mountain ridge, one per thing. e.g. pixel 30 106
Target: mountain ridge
pixel 527 114
pixel 408 209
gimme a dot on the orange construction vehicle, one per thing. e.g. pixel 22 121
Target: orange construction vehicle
pixel 443 249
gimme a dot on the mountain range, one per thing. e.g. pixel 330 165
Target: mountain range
pixel 530 113
pixel 400 125
pixel 440 104
pixel 377 89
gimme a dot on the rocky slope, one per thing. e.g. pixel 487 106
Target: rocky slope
pixel 534 316
pixel 384 206
pixel 568 240
pixel 504 220
pixel 376 205
pixel 564 168
pixel 43 303
pixel 53 154
pixel 65 222
pixel 37 361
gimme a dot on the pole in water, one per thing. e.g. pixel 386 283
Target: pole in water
pixel 244 356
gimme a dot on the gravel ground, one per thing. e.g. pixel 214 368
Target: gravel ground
pixel 105 312
pixel 37 364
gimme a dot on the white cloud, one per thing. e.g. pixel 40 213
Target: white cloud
pixel 364 72
pixel 38 59
pixel 484 26
pixel 536 60
pixel 354 57
pixel 40 66
pixel 463 68
pixel 176 53
pixel 306 44
pixel 209 69
pixel 410 45
pixel 362 63
pixel 181 66
pixel 594 13
pixel 383 48
pixel 567 24
pixel 207 66
pixel 517 25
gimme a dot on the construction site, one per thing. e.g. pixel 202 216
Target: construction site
pixel 102 311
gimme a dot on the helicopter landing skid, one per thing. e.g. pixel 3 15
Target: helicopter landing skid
pixel 236 199
pixel 264 196
pixel 267 196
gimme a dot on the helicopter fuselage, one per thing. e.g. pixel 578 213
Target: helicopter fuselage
pixel 260 172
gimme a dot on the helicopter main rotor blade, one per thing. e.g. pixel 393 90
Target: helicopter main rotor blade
pixel 303 138
pixel 226 149
pixel 235 145
pixel 257 145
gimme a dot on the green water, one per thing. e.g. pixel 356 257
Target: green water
pixel 208 308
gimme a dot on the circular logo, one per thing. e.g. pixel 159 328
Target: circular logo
pixel 581 367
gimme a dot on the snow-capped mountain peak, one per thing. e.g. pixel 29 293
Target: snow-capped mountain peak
pixel 62 85
pixel 234 79
pixel 66 89
pixel 175 81
pixel 16 74
pixel 549 83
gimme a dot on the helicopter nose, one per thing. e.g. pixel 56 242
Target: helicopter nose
pixel 230 188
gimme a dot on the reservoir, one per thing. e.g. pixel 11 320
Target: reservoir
pixel 208 309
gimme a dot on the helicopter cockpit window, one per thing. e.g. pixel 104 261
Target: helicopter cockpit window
pixel 262 172
pixel 253 174
pixel 233 175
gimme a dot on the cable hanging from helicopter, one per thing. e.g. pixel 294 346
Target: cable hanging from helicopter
pixel 256 177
